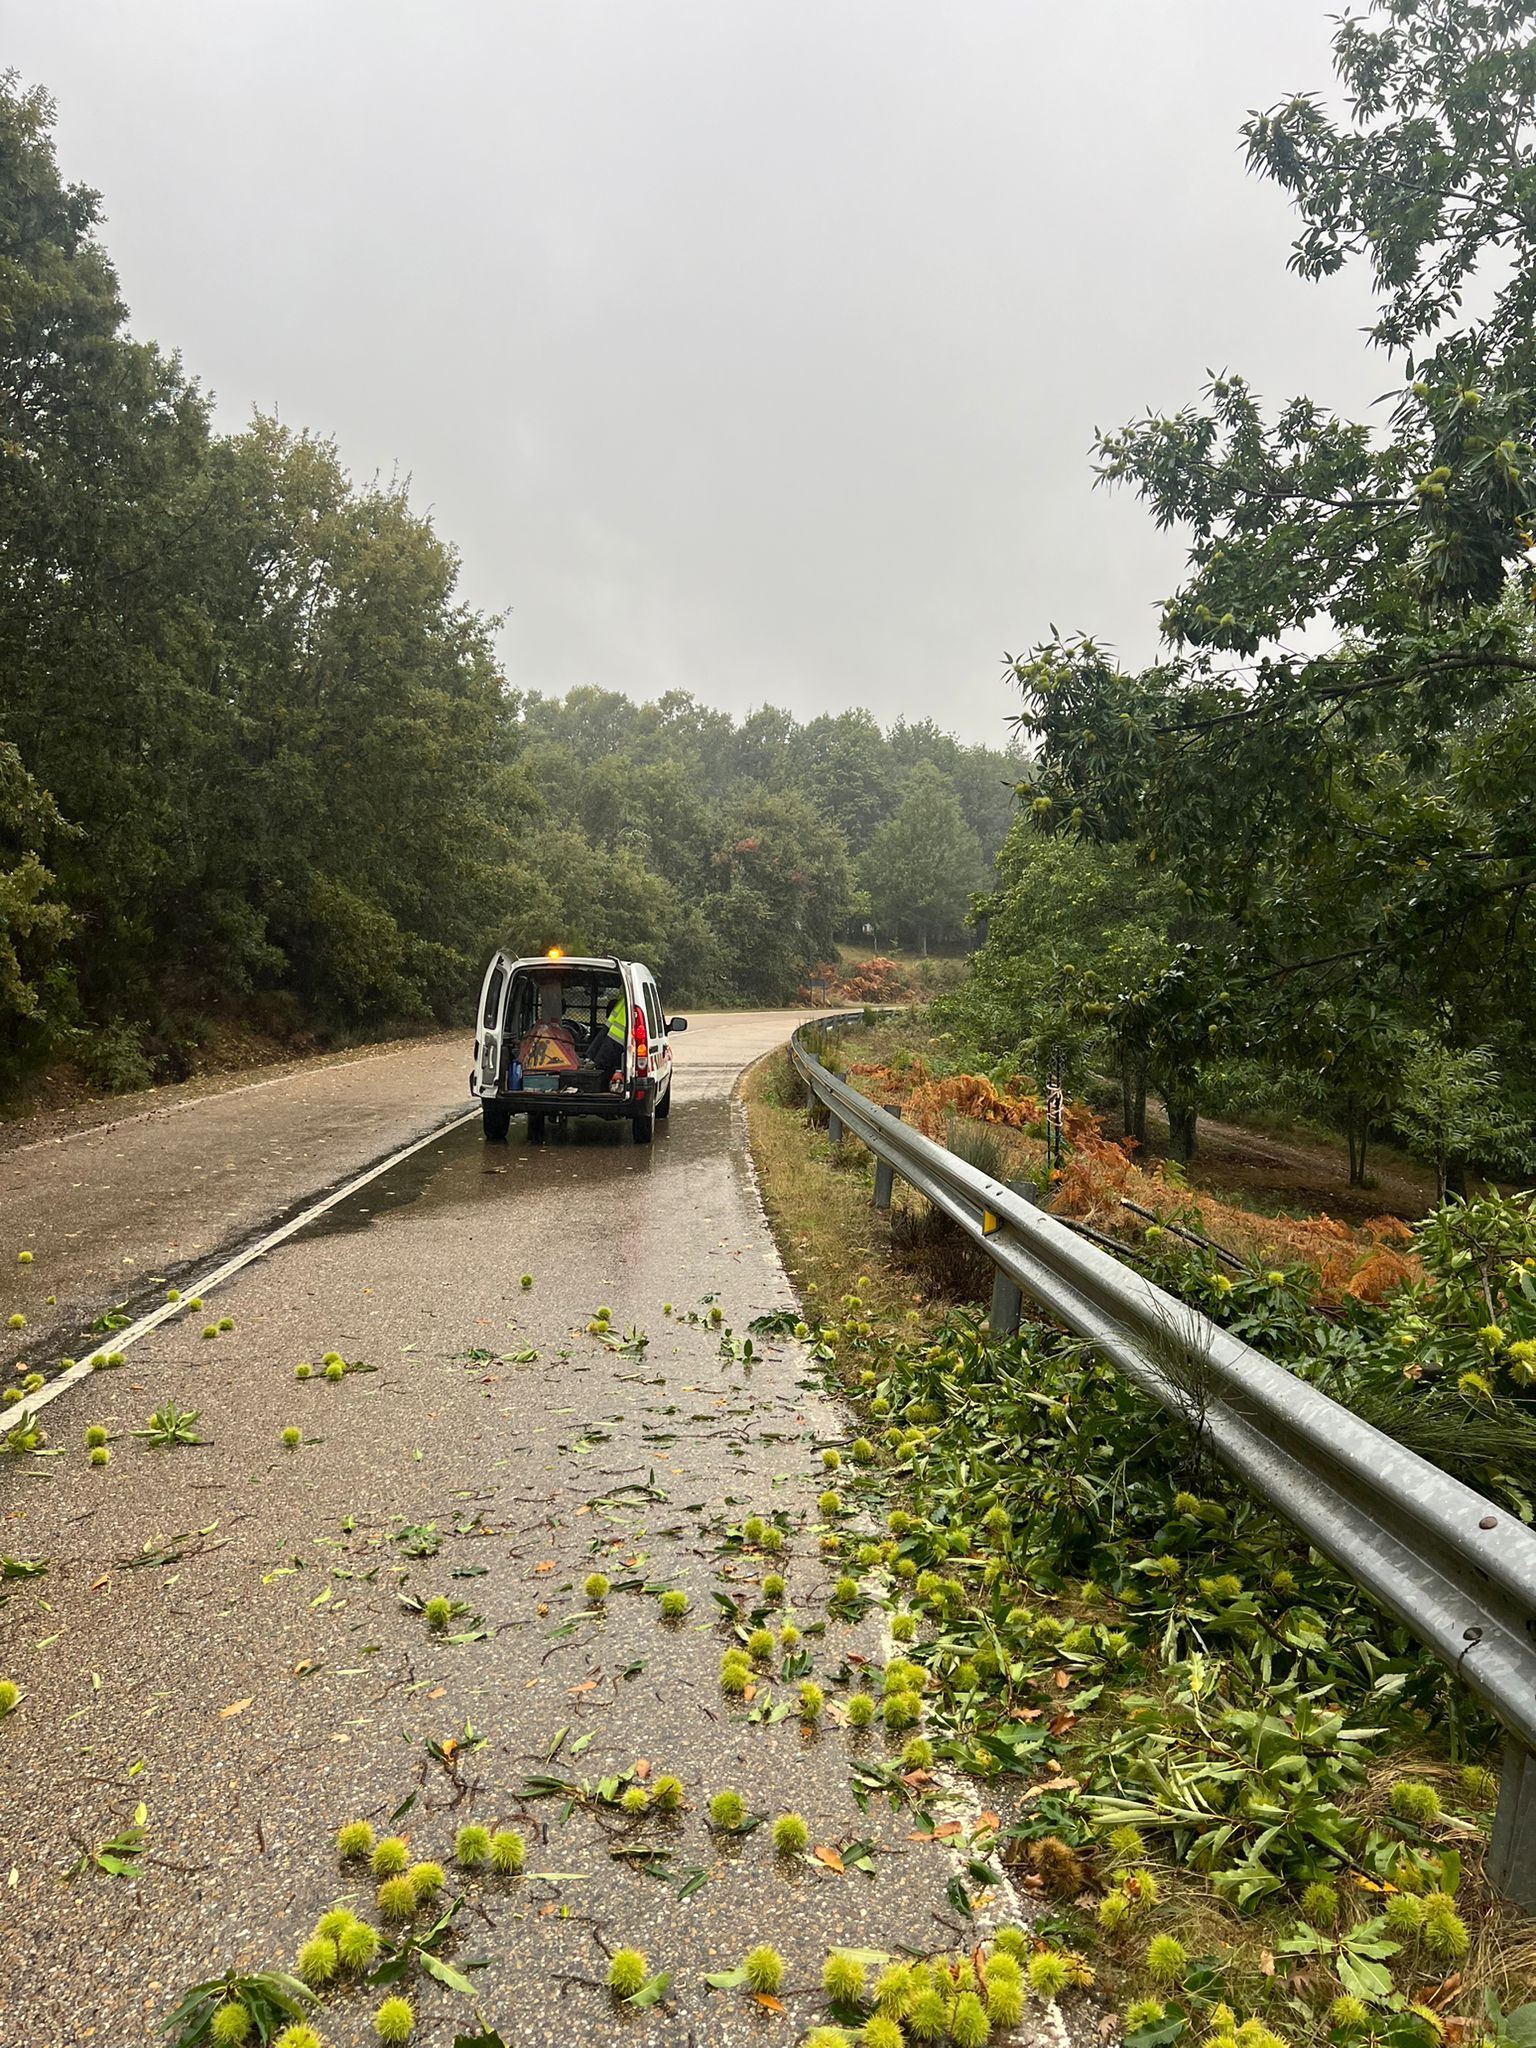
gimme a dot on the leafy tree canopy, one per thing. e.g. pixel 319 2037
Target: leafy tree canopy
pixel 1334 758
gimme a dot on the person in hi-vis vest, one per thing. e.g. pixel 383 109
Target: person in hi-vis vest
pixel 609 1056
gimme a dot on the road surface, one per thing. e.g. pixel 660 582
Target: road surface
pixel 225 1631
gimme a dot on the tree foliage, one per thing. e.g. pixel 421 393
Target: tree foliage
pixel 1336 756
pixel 923 863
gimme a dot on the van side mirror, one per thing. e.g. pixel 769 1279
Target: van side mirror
pixel 676 1024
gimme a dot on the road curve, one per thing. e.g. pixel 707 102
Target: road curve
pixel 221 1634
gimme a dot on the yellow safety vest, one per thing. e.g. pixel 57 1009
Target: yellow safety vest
pixel 618 1022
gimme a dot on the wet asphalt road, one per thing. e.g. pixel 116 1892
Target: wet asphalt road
pixel 219 1633
pixel 125 1206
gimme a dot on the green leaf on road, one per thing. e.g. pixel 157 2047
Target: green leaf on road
pixel 652 1991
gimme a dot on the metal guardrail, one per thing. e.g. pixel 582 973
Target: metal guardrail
pixel 1457 1571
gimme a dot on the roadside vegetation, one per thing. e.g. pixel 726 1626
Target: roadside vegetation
pixel 1241 1795
pixel 995 1116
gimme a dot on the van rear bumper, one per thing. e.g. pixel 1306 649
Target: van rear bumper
pixel 548 1102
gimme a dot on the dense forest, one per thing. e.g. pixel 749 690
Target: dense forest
pixel 1256 878
pixel 256 754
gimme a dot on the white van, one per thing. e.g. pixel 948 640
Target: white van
pixel 544 1047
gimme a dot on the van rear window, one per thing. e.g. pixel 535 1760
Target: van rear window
pixel 578 997
pixel 493 998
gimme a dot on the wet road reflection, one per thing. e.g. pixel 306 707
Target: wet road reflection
pixel 463 1170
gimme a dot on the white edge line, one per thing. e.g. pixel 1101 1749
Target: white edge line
pixel 119 1340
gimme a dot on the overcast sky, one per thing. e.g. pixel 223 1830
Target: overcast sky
pixel 753 349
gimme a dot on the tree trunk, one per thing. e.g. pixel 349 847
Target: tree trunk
pixel 1126 1108
pixel 1139 1106
pixel 1182 1119
pixel 1453 1178
pixel 1355 1122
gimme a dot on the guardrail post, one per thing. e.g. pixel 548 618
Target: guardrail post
pixel 1511 1866
pixel 885 1176
pixel 1007 1306
pixel 1007 1309
pixel 834 1128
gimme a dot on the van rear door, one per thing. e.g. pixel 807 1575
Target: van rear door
pixel 493 996
pixel 656 1030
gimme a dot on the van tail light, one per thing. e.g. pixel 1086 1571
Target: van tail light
pixel 642 1045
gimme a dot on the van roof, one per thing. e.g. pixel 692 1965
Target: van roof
pixel 532 961
pixel 570 960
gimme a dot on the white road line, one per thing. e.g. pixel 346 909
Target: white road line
pixel 119 1340
pixel 961 1792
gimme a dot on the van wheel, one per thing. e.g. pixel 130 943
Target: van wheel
pixel 644 1128
pixel 535 1126
pixel 496 1117
pixel 664 1107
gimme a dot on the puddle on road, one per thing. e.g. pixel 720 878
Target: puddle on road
pixel 462 1170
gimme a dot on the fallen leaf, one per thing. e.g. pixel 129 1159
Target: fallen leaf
pixel 585 1686
pixel 945 1830
pixel 766 1998
pixel 1049 1785
pixel 988 1820
pixel 1061 1722
pixel 104 1580
pixel 1062 1681
pixel 438 1692
pixel 235 1707
pixel 643 1768
pixel 831 1859
pixel 1266 1963
pixel 548 1565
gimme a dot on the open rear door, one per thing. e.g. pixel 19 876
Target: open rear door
pixel 493 1003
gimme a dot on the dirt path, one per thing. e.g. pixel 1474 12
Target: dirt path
pixel 1299 1174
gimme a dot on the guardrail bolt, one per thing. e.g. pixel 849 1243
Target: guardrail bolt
pixel 1512 1852
pixel 885 1176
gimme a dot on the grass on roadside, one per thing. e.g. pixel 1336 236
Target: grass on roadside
pixel 819 1200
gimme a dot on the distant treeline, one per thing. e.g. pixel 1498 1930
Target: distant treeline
pixel 255 753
